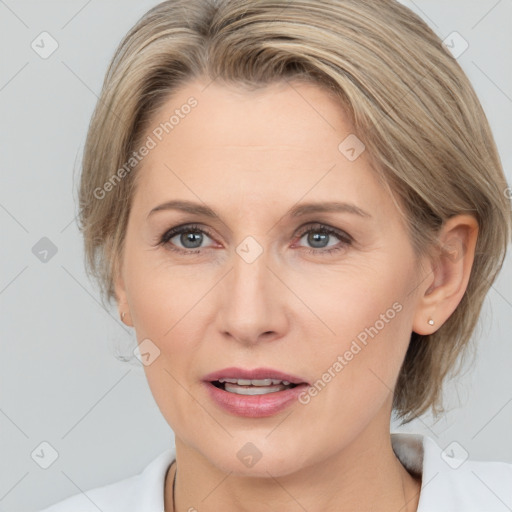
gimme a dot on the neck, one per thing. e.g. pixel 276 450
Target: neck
pixel 364 476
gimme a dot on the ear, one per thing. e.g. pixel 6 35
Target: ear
pixel 122 300
pixel 448 273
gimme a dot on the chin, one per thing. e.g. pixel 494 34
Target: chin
pixel 253 456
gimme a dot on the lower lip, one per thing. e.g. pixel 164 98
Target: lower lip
pixel 254 406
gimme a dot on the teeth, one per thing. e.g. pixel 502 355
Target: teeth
pixel 255 382
pixel 252 390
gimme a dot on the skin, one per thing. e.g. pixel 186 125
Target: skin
pixel 251 156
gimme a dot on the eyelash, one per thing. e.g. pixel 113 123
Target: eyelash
pixel 345 239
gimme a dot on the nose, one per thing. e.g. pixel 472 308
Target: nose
pixel 252 302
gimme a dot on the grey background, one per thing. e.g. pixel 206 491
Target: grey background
pixel 59 379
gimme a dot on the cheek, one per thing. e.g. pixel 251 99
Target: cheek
pixel 164 305
pixel 166 310
pixel 352 303
pixel 161 294
pixel 365 327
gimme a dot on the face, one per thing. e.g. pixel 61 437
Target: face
pixel 256 280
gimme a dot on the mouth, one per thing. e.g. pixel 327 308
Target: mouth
pixel 253 393
pixel 253 382
pixel 252 386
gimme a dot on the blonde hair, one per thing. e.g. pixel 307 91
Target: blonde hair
pixel 409 101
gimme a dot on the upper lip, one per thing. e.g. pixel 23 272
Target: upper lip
pixel 254 374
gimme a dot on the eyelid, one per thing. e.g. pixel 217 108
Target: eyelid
pixel 319 226
pixel 179 229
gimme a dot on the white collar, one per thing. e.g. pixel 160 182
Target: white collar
pixel 449 483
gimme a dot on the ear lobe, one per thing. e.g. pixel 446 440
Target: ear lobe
pixel 122 300
pixel 450 271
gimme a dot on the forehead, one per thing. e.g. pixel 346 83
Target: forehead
pixel 277 143
pixel 282 113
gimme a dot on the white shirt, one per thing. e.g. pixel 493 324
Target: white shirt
pixel 450 483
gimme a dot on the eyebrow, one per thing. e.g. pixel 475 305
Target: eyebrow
pixel 297 211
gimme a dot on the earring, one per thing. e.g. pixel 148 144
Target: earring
pixel 430 321
pixel 122 316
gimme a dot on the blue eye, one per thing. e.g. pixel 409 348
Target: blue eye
pixel 319 236
pixel 190 238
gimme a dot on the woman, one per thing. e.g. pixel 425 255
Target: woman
pixel 299 208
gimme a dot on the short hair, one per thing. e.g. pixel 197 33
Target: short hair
pixel 406 96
